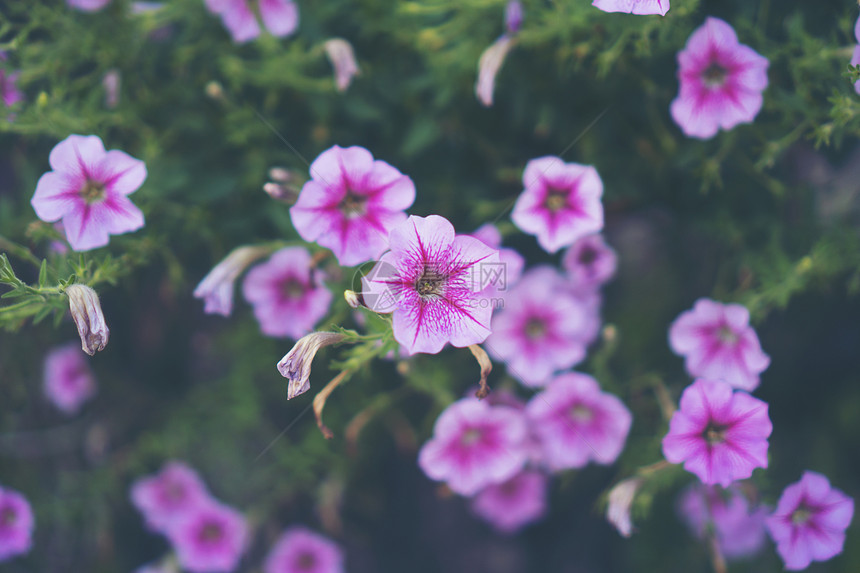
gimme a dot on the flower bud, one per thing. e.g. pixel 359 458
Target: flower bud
pixel 342 58
pixel 111 82
pixel 352 298
pixel 620 500
pixel 216 288
pixel 87 314
pixel 513 16
pixel 296 365
pixel 488 66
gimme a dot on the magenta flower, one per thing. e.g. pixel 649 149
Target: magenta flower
pixel 718 343
pixel 68 381
pixel 633 6
pixel 88 5
pixel 575 422
pixel 16 524
pixel 721 81
pixel 740 529
pixel 720 435
pixel 475 445
pixel 281 17
pixel 88 189
pixel 351 204
pixel 9 92
pixel 589 263
pixel 511 505
pixel 560 203
pixel 810 521
pixel 434 282
pixel 165 497
pixel 288 296
pixel 211 537
pixel 300 550
pixel 542 329
pixel 511 262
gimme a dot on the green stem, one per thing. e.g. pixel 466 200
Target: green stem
pixel 19 251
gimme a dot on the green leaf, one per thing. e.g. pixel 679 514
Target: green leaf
pixel 43 273
pixel 14 293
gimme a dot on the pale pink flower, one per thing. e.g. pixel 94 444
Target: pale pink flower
pixel 351 204
pixel 718 343
pixel 281 17
pixel 574 422
pixel 721 81
pixel 342 58
pixel 589 263
pixel 88 189
pixel 300 550
pixel 295 366
pixel 810 521
pixel 289 298
pixel 165 497
pixel 210 538
pixel 720 435
pixel 511 505
pixel 488 67
pixel 633 6
pixel 216 288
pixel 560 203
pixel 511 262
pixel 16 524
pixel 88 5
pixel 68 381
pixel 475 445
pixel 434 282
pixel 620 503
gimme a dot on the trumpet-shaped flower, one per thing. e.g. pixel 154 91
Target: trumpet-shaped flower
pixel 216 288
pixel 16 524
pixel 68 381
pixel 211 537
pixel 300 550
pixel 86 311
pixel 511 505
pixel 641 7
pixel 295 366
pixel 173 492
pixel 281 17
pixel 589 263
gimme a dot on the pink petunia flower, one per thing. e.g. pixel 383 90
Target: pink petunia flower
pixel 810 521
pixel 560 203
pixel 288 296
pixel 68 381
pixel 718 343
pixel 163 498
pixel 721 81
pixel 211 537
pixel 475 445
pixel 511 505
pixel 720 435
pixel 589 263
pixel 88 5
pixel 542 329
pixel 435 284
pixel 641 7
pixel 511 262
pixel 300 550
pixel 88 189
pixel 574 422
pixel 16 524
pixel 351 204
pixel 281 17
pixel 739 528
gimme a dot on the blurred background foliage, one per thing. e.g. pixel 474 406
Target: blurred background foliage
pixel 765 215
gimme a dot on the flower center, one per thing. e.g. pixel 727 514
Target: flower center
pixel 8 516
pixel 174 492
pixel 471 437
pixel 727 335
pixel 587 256
pixel 581 413
pixel 353 205
pixel 535 328
pixel 714 75
pixel 292 289
pixel 714 434
pixel 211 532
pixel 430 283
pixel 556 200
pixel 93 192
pixel 306 561
pixel 801 515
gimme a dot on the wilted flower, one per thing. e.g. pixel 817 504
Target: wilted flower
pixel 620 501
pixel 511 505
pixel 111 83
pixel 718 343
pixel 489 65
pixel 68 381
pixel 88 190
pixel 296 365
pixel 721 81
pixel 300 550
pixel 210 537
pixel 351 204
pixel 342 58
pixel 288 297
pixel 87 313
pixel 432 281
pixel 88 5
pixel 281 17
pixel 560 203
pixel 216 288
pixel 810 521
pixel 589 263
pixel 475 445
pixel 633 6
pixel 16 524
pixel 163 498
pixel 513 16
pixel 720 435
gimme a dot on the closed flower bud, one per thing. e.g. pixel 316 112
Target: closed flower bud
pixel 352 298
pixel 489 65
pixel 87 314
pixel 216 288
pixel 342 58
pixel 620 501
pixel 296 365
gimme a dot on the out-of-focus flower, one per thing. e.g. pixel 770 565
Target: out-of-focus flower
pixel 488 67
pixel 810 521
pixel 210 537
pixel 433 282
pixel 16 524
pixel 87 313
pixel 855 61
pixel 165 497
pixel 342 58
pixel 511 262
pixel 560 203
pixel 718 343
pixel 88 189
pixel 475 445
pixel 296 365
pixel 589 263
pixel 300 550
pixel 513 16
pixel 511 505
pixel 542 329
pixel 351 204
pixel 9 92
pixel 111 82
pixel 281 17
pixel 285 185
pixel 739 529
pixel 88 5
pixel 575 422
pixel 720 435
pixel 68 381
pixel 620 501
pixel 641 7
pixel 288 297
pixel 721 81
pixel 216 288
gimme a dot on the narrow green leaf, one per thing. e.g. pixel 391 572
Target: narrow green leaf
pixel 43 273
